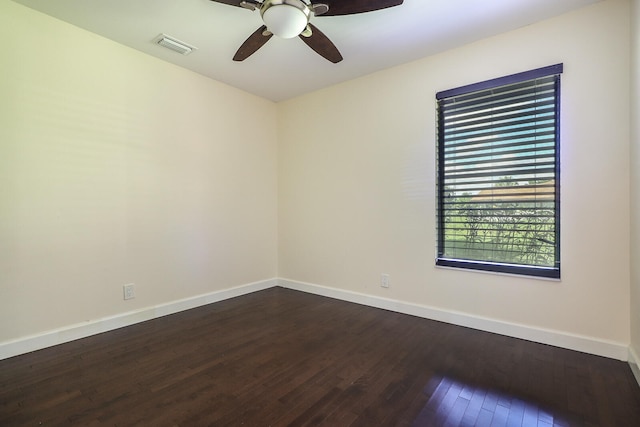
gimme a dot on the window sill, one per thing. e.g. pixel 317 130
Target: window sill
pixel 525 272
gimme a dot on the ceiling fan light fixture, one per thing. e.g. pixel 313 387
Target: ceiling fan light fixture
pixel 285 18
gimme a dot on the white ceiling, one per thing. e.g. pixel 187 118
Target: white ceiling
pixel 283 69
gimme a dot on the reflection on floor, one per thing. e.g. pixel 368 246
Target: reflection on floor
pixel 457 404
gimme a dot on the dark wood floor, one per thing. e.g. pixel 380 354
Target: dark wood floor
pixel 281 357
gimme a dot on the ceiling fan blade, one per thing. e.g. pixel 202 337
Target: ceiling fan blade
pixel 322 45
pixel 247 4
pixel 229 2
pixel 252 44
pixel 350 7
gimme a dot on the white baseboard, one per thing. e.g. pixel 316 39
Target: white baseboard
pixel 634 362
pixel 85 329
pixel 584 344
pixel 560 339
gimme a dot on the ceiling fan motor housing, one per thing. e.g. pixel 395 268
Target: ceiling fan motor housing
pixel 285 18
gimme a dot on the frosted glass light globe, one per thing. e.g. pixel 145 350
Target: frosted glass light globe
pixel 284 20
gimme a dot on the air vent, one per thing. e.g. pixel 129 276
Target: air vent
pixel 173 44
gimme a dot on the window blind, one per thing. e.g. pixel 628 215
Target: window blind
pixel 498 175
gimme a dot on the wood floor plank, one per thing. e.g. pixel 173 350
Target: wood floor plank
pixel 280 357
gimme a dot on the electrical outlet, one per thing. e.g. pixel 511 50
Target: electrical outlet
pixel 385 280
pixel 129 291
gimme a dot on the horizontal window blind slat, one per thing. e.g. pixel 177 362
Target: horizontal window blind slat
pixel 517 247
pixel 454 161
pixel 481 226
pixel 454 179
pixel 472 208
pixel 530 131
pixel 540 134
pixel 482 184
pixel 511 113
pixel 459 109
pixel 490 125
pixel 471 216
pixel 507 169
pixel 459 115
pixel 548 147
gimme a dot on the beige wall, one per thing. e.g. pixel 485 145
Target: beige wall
pixel 357 170
pixel 635 183
pixel 118 168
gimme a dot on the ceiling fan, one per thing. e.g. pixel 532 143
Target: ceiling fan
pixel 290 18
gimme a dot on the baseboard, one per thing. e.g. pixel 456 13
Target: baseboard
pixel 85 329
pixel 634 362
pixel 559 339
pixel 584 344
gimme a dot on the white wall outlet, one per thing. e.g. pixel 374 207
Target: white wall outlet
pixel 129 291
pixel 385 280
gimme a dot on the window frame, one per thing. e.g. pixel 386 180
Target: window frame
pixel 492 266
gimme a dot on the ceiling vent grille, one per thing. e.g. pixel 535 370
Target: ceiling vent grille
pixel 174 44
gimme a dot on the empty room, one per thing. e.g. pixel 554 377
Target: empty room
pixel 343 213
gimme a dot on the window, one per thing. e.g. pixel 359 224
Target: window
pixel 498 174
